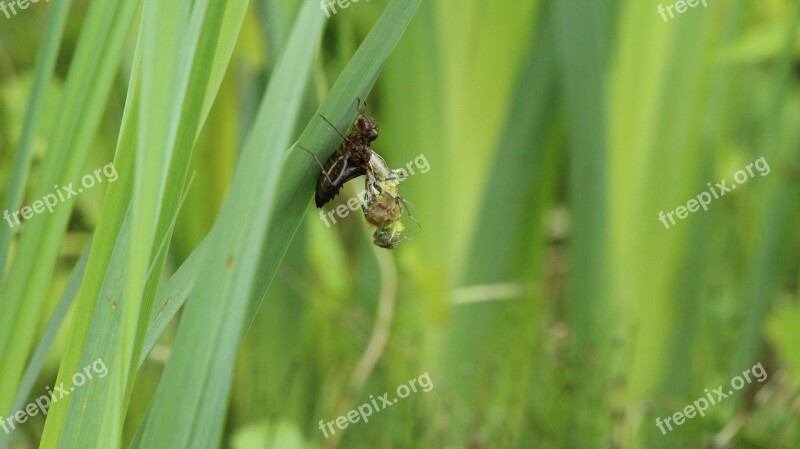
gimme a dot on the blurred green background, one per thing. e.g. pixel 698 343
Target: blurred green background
pixel 546 301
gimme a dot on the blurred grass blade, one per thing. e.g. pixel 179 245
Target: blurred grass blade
pixel 777 226
pixel 43 74
pixel 529 117
pixel 512 255
pixel 583 46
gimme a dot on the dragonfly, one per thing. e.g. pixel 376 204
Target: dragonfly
pixel 350 160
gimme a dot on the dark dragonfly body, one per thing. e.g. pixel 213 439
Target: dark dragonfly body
pixel 350 160
pixel 344 165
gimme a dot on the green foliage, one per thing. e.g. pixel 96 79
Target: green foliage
pixel 542 294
